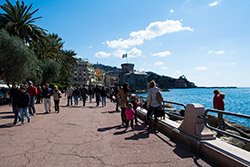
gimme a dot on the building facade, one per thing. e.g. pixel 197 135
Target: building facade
pixel 83 73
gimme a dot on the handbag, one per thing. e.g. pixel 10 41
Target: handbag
pixel 160 112
pixel 159 97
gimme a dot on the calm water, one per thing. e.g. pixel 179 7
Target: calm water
pixel 236 100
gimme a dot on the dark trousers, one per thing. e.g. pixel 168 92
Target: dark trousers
pixel 83 101
pixel 97 99
pixel 152 111
pixel 56 105
pixel 123 116
pixel 131 123
pixel 15 111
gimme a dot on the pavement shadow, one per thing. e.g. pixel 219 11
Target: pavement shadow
pixel 8 125
pixel 141 135
pixel 10 112
pixel 7 117
pixel 110 112
pixel 182 152
pixel 109 128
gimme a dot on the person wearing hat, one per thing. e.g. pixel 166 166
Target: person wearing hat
pixel 23 104
pixel 57 95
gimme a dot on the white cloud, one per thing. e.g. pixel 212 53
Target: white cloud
pixel 153 30
pixel 159 63
pixel 201 68
pixel 162 54
pixel 134 53
pixel 119 53
pixel 90 46
pixel 171 11
pixel 215 3
pixel 102 54
pixel 216 52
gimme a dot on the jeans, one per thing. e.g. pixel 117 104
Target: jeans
pixel 103 101
pixel 24 111
pixel 76 100
pixel 32 109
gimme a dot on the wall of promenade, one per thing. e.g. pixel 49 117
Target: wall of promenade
pixel 193 133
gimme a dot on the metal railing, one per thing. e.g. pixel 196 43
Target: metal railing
pixel 220 112
pixel 167 110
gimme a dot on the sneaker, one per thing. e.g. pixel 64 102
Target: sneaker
pixel 34 114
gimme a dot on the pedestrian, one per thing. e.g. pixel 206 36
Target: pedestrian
pixel 14 93
pixel 32 90
pixel 136 104
pixel 46 98
pixel 153 104
pixel 57 95
pixel 122 96
pixel 76 94
pixel 91 93
pixel 39 95
pixel 84 95
pixel 218 103
pixel 69 94
pixel 23 102
pixel 130 114
pixel 103 94
pixel 97 92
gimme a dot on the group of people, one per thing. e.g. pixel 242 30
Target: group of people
pixel 81 92
pixel 128 105
pixel 23 100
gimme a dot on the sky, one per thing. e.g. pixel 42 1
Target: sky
pixel 207 41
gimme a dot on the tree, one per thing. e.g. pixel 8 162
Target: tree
pixel 18 20
pixel 17 61
pixel 68 62
pixel 51 70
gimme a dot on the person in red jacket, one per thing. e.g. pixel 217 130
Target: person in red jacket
pixel 32 91
pixel 218 103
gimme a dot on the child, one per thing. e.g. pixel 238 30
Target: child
pixel 130 114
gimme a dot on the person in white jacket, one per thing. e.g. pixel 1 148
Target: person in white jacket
pixel 152 105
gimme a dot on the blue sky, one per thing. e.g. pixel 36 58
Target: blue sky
pixel 207 41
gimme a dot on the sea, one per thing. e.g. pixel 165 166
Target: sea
pixel 237 100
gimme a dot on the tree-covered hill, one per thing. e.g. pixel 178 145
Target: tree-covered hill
pixel 164 82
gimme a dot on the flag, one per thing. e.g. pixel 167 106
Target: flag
pixel 125 55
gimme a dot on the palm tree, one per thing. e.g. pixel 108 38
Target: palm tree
pixel 51 48
pixel 68 62
pixel 18 20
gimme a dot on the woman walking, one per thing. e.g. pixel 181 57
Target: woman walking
pixel 122 96
pixel 153 104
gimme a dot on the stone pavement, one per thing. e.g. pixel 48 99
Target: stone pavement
pixel 86 136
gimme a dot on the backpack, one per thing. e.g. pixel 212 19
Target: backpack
pixel 159 97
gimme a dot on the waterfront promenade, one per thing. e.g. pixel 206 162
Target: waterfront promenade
pixel 86 136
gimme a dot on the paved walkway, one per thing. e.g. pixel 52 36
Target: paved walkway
pixel 86 136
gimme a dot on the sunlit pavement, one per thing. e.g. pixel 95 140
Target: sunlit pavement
pixel 86 136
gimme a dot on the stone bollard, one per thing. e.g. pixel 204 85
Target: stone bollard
pixel 193 123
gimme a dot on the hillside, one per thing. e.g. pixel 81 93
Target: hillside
pixel 164 82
